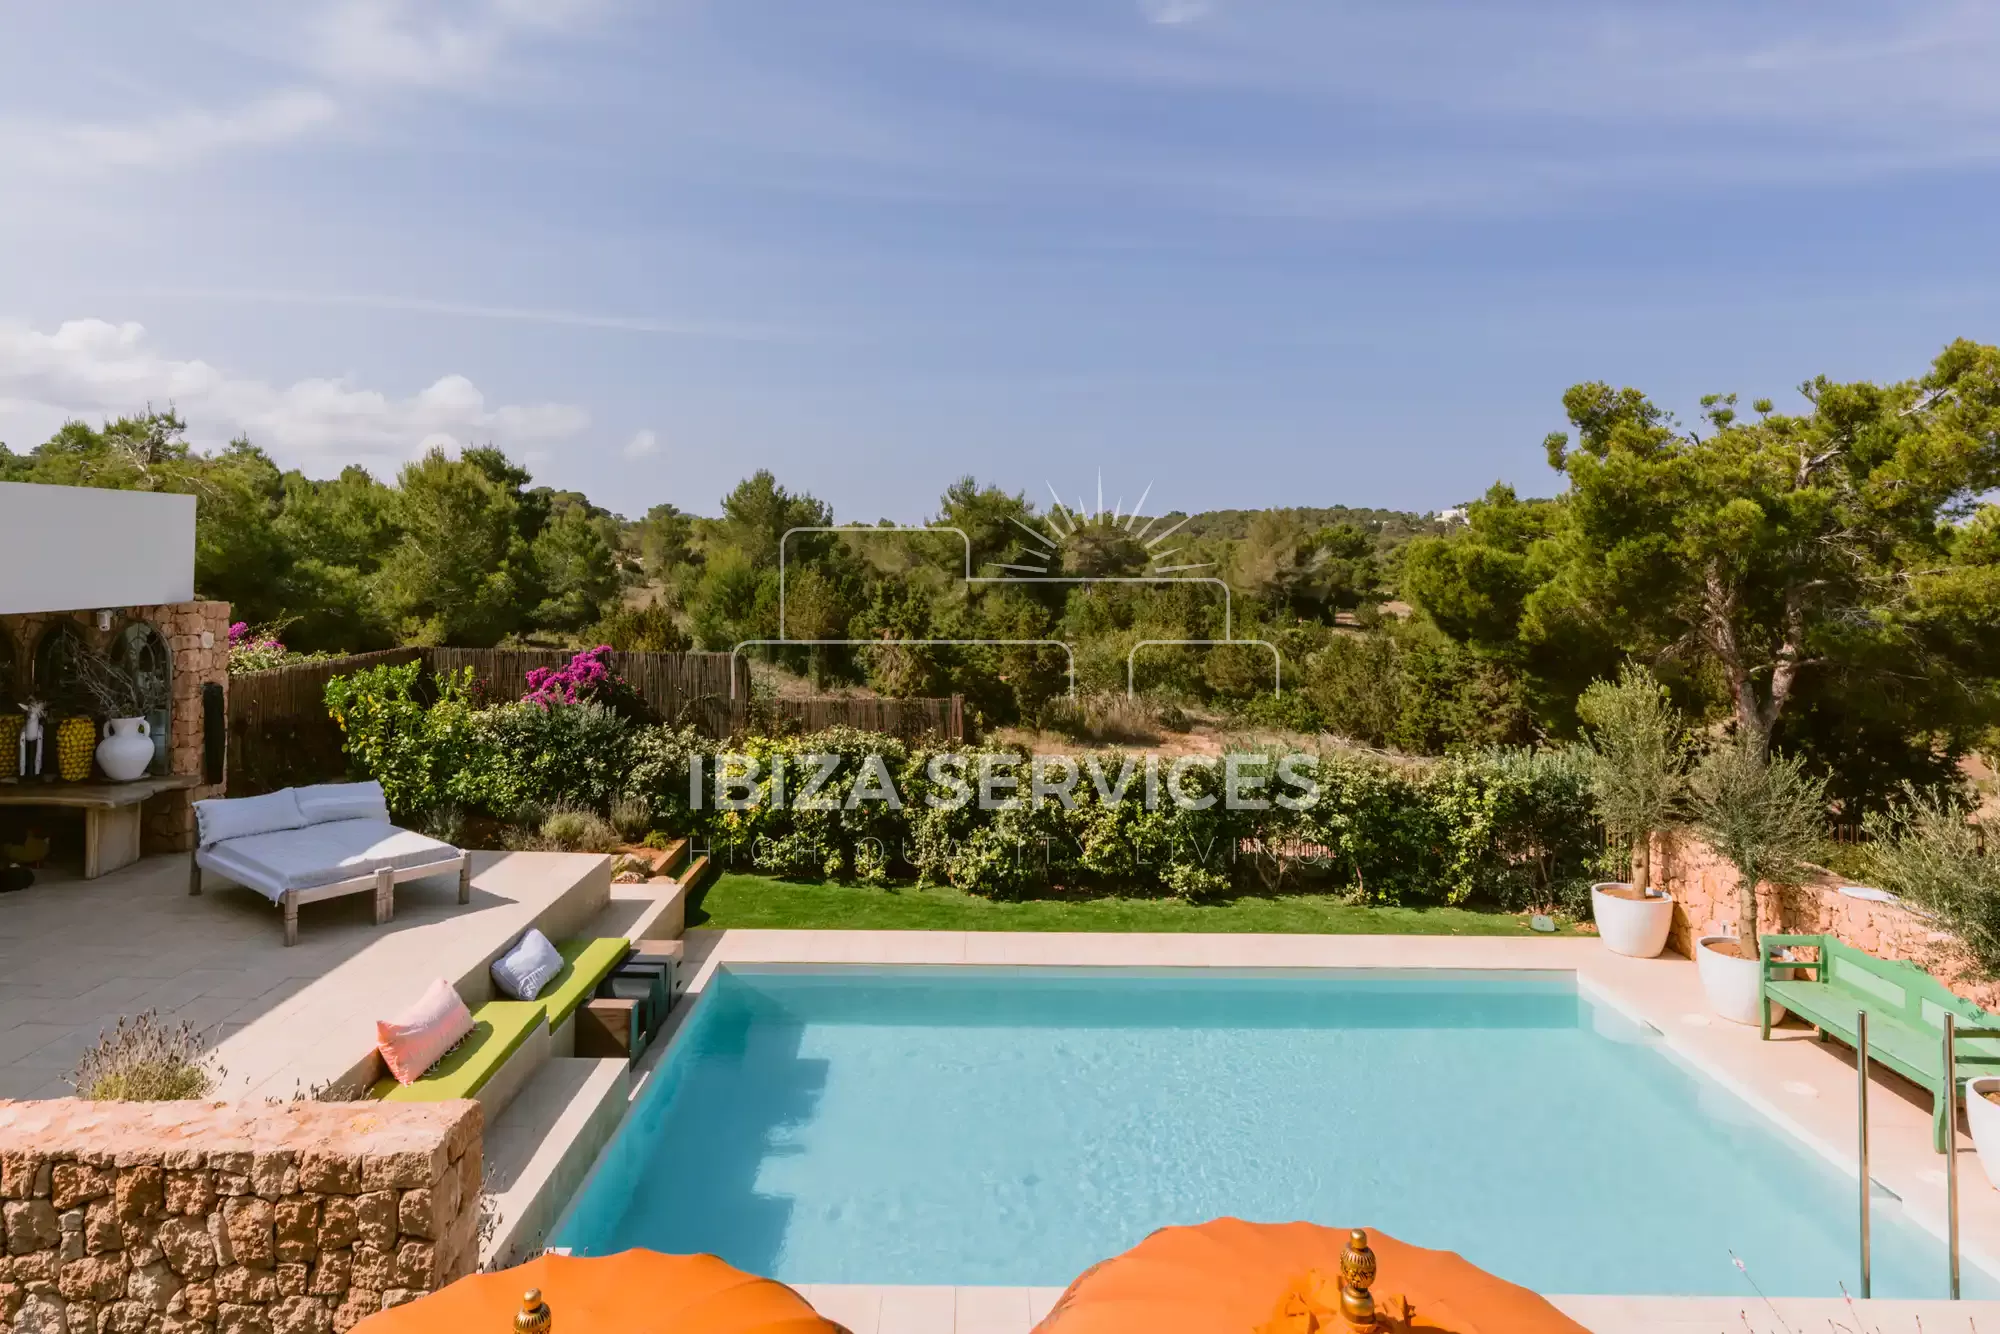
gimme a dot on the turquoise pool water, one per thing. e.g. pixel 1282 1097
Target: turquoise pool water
pixel 968 1126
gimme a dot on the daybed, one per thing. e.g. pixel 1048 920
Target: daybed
pixel 300 845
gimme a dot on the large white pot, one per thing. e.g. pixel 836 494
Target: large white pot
pixel 1732 984
pixel 1635 927
pixel 127 749
pixel 1982 1118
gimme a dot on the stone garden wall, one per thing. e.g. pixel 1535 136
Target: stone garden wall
pixel 1704 890
pixel 226 1218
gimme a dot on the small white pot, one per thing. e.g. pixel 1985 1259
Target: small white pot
pixel 127 749
pixel 1982 1118
pixel 1732 984
pixel 1634 927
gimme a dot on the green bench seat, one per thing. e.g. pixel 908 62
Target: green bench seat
pixel 585 964
pixel 1905 1006
pixel 500 1027
pixel 498 1030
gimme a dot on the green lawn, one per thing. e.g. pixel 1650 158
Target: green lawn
pixel 733 900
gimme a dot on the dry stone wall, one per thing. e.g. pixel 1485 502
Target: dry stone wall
pixel 1704 890
pixel 228 1218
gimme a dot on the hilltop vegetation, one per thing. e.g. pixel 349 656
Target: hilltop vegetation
pixel 1826 581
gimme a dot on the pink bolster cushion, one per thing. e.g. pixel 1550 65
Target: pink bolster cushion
pixel 418 1038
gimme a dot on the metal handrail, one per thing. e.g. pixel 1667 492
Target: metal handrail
pixel 1861 1117
pixel 1951 1147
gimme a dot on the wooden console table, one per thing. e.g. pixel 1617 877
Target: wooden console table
pixel 110 813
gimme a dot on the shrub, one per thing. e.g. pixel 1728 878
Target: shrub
pixel 566 754
pixel 142 1060
pixel 1927 852
pixel 657 772
pixel 632 817
pixel 587 679
pixel 390 736
pixel 579 831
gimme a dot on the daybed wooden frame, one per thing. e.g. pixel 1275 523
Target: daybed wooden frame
pixel 383 884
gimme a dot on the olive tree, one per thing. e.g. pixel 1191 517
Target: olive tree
pixel 1927 852
pixel 1637 760
pixel 1763 813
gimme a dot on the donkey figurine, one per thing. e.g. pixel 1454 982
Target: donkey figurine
pixel 31 732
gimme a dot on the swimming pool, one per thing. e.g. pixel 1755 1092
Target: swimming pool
pixel 1015 1126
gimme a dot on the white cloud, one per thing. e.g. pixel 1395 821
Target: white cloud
pixel 642 445
pixel 93 368
pixel 162 141
pixel 429 44
pixel 1175 13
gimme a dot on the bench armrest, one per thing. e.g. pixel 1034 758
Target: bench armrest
pixel 1767 944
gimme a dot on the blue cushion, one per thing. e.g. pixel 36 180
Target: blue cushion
pixel 326 802
pixel 524 970
pixel 220 819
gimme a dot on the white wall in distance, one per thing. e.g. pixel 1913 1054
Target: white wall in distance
pixel 79 548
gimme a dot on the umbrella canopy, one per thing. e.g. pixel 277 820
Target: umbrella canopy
pixel 1285 1278
pixel 633 1292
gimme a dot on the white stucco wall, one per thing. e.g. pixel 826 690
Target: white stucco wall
pixel 77 548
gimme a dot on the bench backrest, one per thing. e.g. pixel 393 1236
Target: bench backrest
pixel 1898 987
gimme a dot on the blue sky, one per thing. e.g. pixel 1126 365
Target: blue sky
pixel 1256 252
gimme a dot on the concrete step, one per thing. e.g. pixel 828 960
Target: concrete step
pixel 540 1148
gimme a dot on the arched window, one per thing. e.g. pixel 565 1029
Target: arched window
pixel 141 650
pixel 54 681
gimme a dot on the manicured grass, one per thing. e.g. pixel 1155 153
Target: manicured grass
pixel 735 900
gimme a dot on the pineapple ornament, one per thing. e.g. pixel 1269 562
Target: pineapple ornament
pixel 76 746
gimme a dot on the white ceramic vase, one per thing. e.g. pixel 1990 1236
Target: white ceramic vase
pixel 1634 927
pixel 1732 984
pixel 127 749
pixel 1982 1118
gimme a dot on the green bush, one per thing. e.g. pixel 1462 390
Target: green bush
pixel 391 736
pixel 565 754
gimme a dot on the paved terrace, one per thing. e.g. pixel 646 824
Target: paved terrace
pixel 76 955
pixel 1805 1086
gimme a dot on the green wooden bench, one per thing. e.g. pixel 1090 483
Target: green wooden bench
pixel 1906 1008
pixel 500 1028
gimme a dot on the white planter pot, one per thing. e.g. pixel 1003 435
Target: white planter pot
pixel 1731 983
pixel 127 749
pixel 1982 1118
pixel 1634 927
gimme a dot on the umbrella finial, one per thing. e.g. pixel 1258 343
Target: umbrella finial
pixel 535 1317
pixel 1357 1271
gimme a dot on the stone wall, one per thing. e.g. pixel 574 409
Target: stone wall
pixel 228 1218
pixel 1704 890
pixel 197 637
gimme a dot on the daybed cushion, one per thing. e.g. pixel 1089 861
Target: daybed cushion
pixel 321 854
pixel 326 802
pixel 585 964
pixel 523 971
pixel 416 1039
pixel 222 818
pixel 498 1030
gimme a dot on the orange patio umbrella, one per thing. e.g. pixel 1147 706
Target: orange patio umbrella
pixel 633 1292
pixel 1287 1278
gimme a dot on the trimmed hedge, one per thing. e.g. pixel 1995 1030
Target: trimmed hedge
pixel 1505 828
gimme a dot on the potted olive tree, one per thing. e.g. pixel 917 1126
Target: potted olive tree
pixel 1928 853
pixel 1637 760
pixel 1765 815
